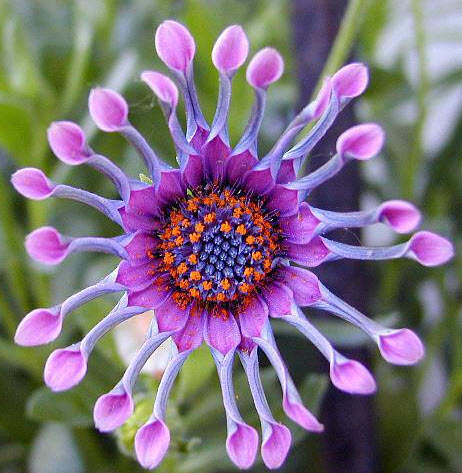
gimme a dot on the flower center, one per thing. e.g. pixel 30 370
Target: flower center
pixel 218 246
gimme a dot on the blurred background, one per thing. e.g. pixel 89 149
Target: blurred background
pixel 53 51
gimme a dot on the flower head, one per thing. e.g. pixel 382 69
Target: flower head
pixel 220 245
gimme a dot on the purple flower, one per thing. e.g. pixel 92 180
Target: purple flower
pixel 220 245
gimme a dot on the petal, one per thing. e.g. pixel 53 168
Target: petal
pixel 401 347
pixel 193 172
pixel 108 109
pixel 259 181
pixel 430 249
pixel 171 186
pixel 112 410
pixel 151 297
pixel 279 299
pixel 46 245
pixel 253 317
pixel 275 448
pixel 39 327
pixel 32 183
pixel 231 49
pixel 222 331
pixel 284 201
pixel 237 166
pixel 300 227
pixel 352 377
pixel 164 88
pixel 402 216
pixel 312 254
pixel 216 155
pixel 64 369
pixel 136 277
pixel 304 284
pixel 140 248
pixel 287 172
pixel 265 68
pixel 242 445
pixel 191 336
pixel 151 443
pixel 67 141
pixel 133 222
pixel 143 202
pixel 351 80
pixel 361 141
pixel 170 316
pixel 175 45
pixel 301 415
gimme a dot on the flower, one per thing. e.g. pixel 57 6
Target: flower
pixel 220 245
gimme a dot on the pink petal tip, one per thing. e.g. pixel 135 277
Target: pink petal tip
pixel 112 410
pixel 46 246
pixel 265 68
pixel 231 49
pixel 401 347
pixel 430 249
pixel 402 216
pixel 361 142
pixel 275 448
pixel 242 446
pixel 38 327
pixel 352 377
pixel 302 416
pixel 67 141
pixel 108 109
pixel 164 88
pixel 32 183
pixel 175 45
pixel 151 444
pixel 64 369
pixel 351 80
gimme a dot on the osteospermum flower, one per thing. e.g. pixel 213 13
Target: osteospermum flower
pixel 220 245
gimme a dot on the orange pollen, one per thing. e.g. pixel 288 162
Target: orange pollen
pixel 199 227
pixel 259 276
pixel 192 259
pixel 194 237
pixel 195 276
pixel 250 240
pixel 184 284
pixel 257 256
pixel 221 297
pixel 241 229
pixel 237 212
pixel 225 227
pixel 179 240
pixel 182 268
pixel 248 272
pixel 267 263
pixel 245 288
pixel 194 292
pixel 225 284
pixel 209 218
pixel 207 285
pixel 176 231
pixel 168 258
pixel 185 223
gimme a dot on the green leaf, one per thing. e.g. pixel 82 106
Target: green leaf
pixel 195 373
pixel 72 407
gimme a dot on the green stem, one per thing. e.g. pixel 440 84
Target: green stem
pixel 344 40
pixel 411 167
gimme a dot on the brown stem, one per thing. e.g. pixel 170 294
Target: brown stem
pixel 349 443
